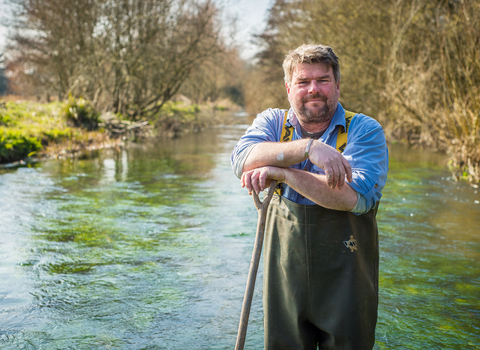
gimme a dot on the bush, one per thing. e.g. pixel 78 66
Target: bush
pixel 56 136
pixel 179 112
pixel 174 118
pixel 15 145
pixel 80 113
pixel 5 119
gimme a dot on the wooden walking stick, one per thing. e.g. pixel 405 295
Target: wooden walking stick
pixel 252 273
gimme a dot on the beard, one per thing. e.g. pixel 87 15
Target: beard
pixel 315 115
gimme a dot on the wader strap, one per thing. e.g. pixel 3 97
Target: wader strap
pixel 287 130
pixel 286 136
pixel 342 137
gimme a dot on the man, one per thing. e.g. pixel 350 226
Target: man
pixel 321 242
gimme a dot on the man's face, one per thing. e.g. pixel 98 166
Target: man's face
pixel 313 93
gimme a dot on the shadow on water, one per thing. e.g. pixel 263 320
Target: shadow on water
pixel 149 248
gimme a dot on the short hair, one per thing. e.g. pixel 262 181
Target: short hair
pixel 311 54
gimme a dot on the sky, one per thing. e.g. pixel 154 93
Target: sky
pixel 251 16
pixel 251 19
pixel 3 30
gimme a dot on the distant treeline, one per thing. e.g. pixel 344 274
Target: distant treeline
pixel 412 64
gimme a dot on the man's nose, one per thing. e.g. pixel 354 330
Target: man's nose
pixel 313 87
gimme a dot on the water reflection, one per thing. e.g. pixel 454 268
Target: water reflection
pixel 124 173
pixel 430 253
pixel 109 166
pixel 149 247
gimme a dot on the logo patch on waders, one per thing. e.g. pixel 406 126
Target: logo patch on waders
pixel 351 243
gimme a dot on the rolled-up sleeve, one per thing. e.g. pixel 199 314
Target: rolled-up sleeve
pixel 263 129
pixel 367 154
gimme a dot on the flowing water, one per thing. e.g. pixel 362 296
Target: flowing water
pixel 149 248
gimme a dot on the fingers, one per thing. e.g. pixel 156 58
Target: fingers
pixel 341 177
pixel 254 180
pixel 262 181
pixel 259 179
pixel 255 184
pixel 336 174
pixel 348 169
pixel 334 164
pixel 329 173
pixel 246 181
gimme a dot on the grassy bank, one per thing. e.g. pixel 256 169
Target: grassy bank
pixel 30 130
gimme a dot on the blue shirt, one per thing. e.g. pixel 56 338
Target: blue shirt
pixel 366 151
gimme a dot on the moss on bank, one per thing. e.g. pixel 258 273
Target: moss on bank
pixel 31 130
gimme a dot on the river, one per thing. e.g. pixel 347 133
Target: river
pixel 149 247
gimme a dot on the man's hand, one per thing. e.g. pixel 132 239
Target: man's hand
pixel 310 185
pixel 332 162
pixel 260 178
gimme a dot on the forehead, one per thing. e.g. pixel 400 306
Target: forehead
pixel 306 70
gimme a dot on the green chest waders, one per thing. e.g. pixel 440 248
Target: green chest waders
pixel 320 278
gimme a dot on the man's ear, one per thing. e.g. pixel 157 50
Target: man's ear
pixel 287 87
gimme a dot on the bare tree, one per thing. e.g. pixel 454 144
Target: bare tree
pixel 220 76
pixel 128 55
pixel 434 78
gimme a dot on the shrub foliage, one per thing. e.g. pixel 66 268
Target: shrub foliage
pixel 15 145
pixel 80 113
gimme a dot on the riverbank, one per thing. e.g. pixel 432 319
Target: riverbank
pixel 32 131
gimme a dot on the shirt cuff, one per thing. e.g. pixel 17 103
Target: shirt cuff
pixel 242 157
pixel 361 206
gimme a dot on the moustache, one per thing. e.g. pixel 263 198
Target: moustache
pixel 316 96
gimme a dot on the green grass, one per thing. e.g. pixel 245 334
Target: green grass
pixel 177 111
pixel 26 128
pixel 32 129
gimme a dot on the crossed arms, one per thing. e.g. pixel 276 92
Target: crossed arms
pixel 271 160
